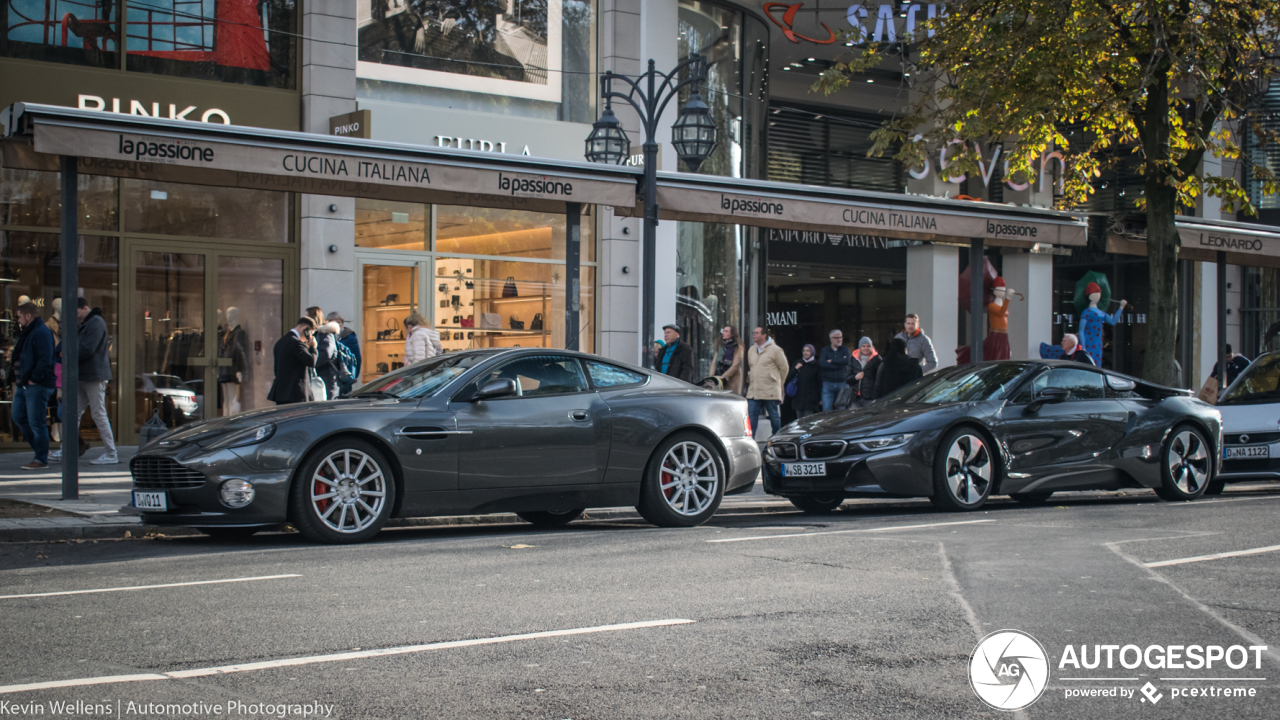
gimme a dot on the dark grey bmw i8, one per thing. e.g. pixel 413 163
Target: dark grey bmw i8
pixel 1023 429
pixel 541 433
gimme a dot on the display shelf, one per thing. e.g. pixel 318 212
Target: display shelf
pixel 493 330
pixel 527 298
pixel 390 307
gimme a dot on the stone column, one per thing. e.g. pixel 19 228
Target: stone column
pixel 1030 321
pixel 1204 346
pixel 933 283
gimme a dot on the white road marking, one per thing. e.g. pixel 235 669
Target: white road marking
pixel 1203 679
pixel 336 657
pixel 147 587
pixel 841 532
pixel 1215 556
pixel 1117 679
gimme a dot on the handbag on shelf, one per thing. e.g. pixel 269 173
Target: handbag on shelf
pixel 443 287
pixel 397 365
pixel 382 368
pixel 457 319
pixel 471 285
pixel 516 324
pixel 444 303
pixel 392 299
pixel 468 322
pixel 536 323
pixel 509 289
pixel 490 321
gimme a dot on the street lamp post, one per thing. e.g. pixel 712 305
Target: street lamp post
pixel 693 135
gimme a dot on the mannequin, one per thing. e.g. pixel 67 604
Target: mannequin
pixel 996 346
pixel 1091 321
pixel 55 322
pixel 231 377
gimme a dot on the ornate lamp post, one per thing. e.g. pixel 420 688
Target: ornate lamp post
pixel 693 135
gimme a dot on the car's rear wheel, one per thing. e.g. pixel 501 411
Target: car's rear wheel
pixel 684 482
pixel 344 492
pixel 230 533
pixel 1186 464
pixel 546 518
pixel 963 472
pixel 817 504
pixel 1031 498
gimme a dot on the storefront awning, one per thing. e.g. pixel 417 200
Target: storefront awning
pixel 233 156
pixel 1201 240
pixel 702 198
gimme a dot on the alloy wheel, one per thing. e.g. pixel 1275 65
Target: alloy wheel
pixel 1188 462
pixel 968 469
pixel 348 491
pixel 689 478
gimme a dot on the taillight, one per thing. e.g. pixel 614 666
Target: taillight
pixel 746 425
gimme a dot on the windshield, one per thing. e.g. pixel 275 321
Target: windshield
pixel 967 383
pixel 1260 382
pixel 423 379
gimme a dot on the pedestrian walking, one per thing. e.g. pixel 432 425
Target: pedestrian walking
pixel 810 389
pixel 834 364
pixel 919 346
pixel 766 370
pixel 1072 350
pixel 95 374
pixel 295 362
pixel 674 356
pixel 729 360
pixel 897 369
pixel 351 341
pixel 34 383
pixel 421 341
pixel 862 373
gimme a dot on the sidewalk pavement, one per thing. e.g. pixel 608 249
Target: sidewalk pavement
pixel 105 496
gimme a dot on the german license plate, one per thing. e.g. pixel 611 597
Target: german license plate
pixel 1246 451
pixel 150 500
pixel 804 469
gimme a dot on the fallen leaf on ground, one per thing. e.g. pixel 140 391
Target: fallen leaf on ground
pixel 518 547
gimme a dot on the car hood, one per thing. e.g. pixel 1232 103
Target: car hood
pixel 1257 417
pixel 876 419
pixel 207 431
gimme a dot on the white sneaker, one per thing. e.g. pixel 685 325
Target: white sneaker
pixel 55 456
pixel 105 460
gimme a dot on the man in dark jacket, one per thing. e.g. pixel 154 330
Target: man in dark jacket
pixel 675 358
pixel 295 354
pixel 833 362
pixel 34 383
pixel 1236 364
pixel 95 373
pixel 1071 350
pixel 897 369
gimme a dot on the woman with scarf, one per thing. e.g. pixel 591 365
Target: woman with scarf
pixel 729 361
pixel 808 379
pixel 863 369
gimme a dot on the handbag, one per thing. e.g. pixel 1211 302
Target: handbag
pixel 516 324
pixel 490 321
pixel 468 322
pixel 509 289
pixel 471 285
pixel 382 368
pixel 793 387
pixel 316 389
pixel 536 323
pixel 443 287
pixel 845 398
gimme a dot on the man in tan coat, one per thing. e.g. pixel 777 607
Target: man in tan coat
pixel 766 373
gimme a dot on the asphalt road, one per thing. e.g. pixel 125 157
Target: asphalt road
pixel 871 612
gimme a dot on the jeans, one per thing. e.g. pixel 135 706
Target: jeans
pixel 93 397
pixel 771 409
pixel 830 391
pixel 31 415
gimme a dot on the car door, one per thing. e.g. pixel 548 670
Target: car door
pixel 552 432
pixel 426 443
pixel 1063 437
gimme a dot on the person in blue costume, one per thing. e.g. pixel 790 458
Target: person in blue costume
pixel 1090 327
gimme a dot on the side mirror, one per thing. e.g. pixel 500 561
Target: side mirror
pixel 501 387
pixel 1048 396
pixel 1120 384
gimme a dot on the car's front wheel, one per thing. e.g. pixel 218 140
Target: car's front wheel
pixel 963 471
pixel 684 482
pixel 1186 464
pixel 546 518
pixel 816 504
pixel 344 492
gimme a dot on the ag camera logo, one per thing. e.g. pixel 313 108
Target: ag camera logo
pixel 1009 670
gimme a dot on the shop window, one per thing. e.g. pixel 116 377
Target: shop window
pixel 31 271
pixel 29 198
pixel 250 42
pixel 390 296
pixel 204 211
pixel 78 32
pixel 708 285
pixel 391 225
pixel 507 233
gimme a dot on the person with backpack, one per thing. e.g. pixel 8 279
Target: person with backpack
pixel 351 359
pixel 329 364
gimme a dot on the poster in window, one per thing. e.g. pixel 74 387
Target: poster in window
pixel 501 47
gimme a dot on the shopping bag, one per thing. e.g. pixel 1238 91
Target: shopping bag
pixel 1209 391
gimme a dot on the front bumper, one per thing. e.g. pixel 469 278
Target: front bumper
pixel 1267 468
pixel 201 506
pixel 889 473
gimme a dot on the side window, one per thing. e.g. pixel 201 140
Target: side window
pixel 1029 389
pixel 543 375
pixel 606 376
pixel 1083 384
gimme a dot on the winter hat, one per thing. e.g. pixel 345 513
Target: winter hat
pixel 1092 288
pixel 865 341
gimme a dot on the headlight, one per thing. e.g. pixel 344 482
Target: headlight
pixel 887 442
pixel 240 438
pixel 237 493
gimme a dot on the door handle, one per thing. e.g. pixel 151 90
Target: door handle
pixel 427 433
pixel 579 415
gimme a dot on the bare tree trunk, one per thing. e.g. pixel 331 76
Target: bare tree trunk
pixel 1160 365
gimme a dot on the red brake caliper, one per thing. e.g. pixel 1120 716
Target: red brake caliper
pixel 321 505
pixel 667 477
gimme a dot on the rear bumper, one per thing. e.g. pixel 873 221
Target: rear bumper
pixel 744 462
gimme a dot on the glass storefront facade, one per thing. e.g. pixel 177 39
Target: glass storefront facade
pixel 481 277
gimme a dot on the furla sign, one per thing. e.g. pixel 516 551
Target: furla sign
pixel 153 109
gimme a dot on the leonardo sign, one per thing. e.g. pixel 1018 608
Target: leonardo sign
pixel 1228 240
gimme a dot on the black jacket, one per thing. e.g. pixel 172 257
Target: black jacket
pixel 95 358
pixel 866 387
pixel 897 369
pixel 1080 356
pixel 33 355
pixel 808 395
pixel 292 358
pixel 1235 366
pixel 682 363
pixel 834 363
